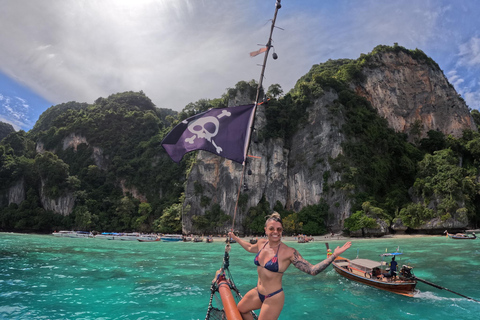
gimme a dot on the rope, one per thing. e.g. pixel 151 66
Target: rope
pixel 213 289
pixel 238 197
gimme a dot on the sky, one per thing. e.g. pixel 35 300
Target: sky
pixel 181 51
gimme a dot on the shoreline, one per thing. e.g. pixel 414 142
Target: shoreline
pixel 340 237
pixel 324 238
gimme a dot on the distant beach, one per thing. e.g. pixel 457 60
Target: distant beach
pixel 336 237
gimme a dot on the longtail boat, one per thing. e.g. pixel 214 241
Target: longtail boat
pixel 461 236
pixel 148 238
pixel 370 272
pixel 171 237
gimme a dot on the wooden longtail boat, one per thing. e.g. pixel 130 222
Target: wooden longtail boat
pixel 148 239
pixel 363 271
pixel 171 237
pixel 461 236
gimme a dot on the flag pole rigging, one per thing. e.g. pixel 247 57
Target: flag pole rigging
pixel 266 49
pixel 230 308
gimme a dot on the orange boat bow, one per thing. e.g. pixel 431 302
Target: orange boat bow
pixel 229 304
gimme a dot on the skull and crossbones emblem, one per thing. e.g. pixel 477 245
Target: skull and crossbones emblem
pixel 206 128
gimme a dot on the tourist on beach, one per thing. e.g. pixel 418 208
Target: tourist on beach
pixel 272 259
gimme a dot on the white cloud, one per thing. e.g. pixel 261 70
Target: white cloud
pixel 468 63
pixel 470 53
pixel 16 111
pixel 180 51
pixel 455 79
pixel 173 51
pixel 470 90
pixel 472 99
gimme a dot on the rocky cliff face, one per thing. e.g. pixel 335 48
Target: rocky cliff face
pixel 293 176
pixel 62 205
pixel 309 172
pixel 408 92
pixel 16 193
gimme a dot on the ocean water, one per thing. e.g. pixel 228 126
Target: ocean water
pixel 44 277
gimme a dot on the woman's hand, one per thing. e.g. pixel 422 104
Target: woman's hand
pixel 232 235
pixel 339 250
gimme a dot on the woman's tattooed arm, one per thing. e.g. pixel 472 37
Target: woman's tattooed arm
pixel 300 263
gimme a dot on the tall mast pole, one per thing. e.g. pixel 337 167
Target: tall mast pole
pixel 268 45
pixel 257 98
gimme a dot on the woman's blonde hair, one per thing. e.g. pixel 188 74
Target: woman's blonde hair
pixel 275 216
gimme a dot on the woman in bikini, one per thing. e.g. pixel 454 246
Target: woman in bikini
pixel 272 259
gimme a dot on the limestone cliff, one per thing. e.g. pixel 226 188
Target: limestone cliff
pixel 16 193
pixel 410 93
pixel 62 205
pixel 311 147
pixel 293 176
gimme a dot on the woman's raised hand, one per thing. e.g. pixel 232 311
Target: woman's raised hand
pixel 339 250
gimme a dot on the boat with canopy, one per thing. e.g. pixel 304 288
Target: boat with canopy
pixel 73 234
pixel 376 274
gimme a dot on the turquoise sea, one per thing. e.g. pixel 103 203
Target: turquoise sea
pixel 44 277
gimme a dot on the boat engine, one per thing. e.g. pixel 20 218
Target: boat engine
pixel 406 272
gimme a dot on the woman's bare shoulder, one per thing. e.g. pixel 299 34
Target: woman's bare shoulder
pixel 288 250
pixel 261 242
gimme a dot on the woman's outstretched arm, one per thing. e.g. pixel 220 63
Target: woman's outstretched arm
pixel 300 263
pixel 253 248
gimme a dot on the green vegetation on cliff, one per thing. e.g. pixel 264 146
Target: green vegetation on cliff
pixel 378 165
pixel 5 129
pixel 115 151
